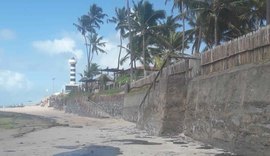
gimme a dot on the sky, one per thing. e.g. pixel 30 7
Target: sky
pixel 37 37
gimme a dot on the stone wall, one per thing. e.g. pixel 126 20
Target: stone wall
pixel 111 104
pixel 231 110
pixel 92 106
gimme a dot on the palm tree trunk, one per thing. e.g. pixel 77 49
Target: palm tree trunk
pixel 184 28
pixel 120 51
pixel 216 31
pixel 268 11
pixel 90 57
pixel 87 52
pixel 197 49
pixel 144 61
pixel 130 42
pixel 216 22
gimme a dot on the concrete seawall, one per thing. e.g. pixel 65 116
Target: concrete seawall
pixel 231 110
pixel 90 105
pixel 222 99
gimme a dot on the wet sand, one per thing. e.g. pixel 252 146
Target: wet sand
pixel 74 135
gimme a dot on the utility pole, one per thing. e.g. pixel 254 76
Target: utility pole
pixel 130 42
pixel 268 11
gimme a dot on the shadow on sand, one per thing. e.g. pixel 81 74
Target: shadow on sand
pixel 93 150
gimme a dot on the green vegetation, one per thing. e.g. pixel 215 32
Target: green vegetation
pixel 112 91
pixel 154 36
pixel 123 79
pixel 6 123
pixel 10 120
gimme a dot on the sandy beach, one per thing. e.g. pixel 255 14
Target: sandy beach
pixel 69 134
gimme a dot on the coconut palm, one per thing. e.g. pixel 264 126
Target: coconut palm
pixel 254 14
pixel 216 21
pixel 170 24
pixel 97 45
pixel 87 25
pixel 96 16
pixel 92 71
pixel 143 22
pixel 183 6
pixel 83 27
pixel 121 25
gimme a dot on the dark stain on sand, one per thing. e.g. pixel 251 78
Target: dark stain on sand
pixel 205 147
pixel 135 141
pixel 226 154
pixel 94 150
pixel 67 147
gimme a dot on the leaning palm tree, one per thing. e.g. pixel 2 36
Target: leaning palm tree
pixel 143 22
pixel 121 25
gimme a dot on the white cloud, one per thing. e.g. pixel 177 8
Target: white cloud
pixel 110 59
pixel 58 46
pixel 7 34
pixel 13 81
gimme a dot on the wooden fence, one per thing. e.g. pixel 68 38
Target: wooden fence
pixel 251 48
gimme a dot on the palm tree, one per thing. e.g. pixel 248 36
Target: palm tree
pixel 92 71
pixel 196 33
pixel 83 28
pixel 183 6
pixel 254 15
pixel 170 24
pixel 96 44
pixel 87 25
pixel 167 39
pixel 96 16
pixel 217 20
pixel 144 20
pixel 121 25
